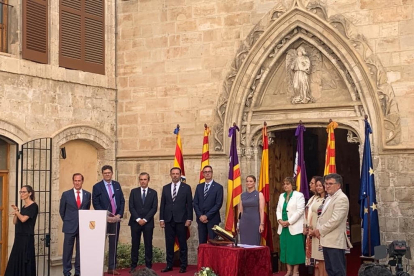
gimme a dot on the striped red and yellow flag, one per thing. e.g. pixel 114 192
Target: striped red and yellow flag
pixel 179 160
pixel 234 187
pixel 330 165
pixel 179 163
pixel 264 188
pixel 205 156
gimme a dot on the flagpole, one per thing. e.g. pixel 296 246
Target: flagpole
pixel 369 216
pixel 236 209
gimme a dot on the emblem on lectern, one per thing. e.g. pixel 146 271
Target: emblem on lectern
pixel 92 225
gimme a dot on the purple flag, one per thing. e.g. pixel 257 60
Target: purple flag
pixel 300 168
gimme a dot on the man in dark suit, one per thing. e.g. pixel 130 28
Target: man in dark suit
pixel 143 204
pixel 208 199
pixel 71 202
pixel 176 214
pixel 107 195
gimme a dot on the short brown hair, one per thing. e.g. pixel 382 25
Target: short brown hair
pixel 75 174
pixel 292 181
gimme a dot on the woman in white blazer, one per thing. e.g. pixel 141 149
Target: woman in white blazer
pixel 289 214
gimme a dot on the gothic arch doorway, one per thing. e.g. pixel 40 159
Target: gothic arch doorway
pixel 281 162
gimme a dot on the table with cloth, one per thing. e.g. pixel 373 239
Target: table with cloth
pixel 231 261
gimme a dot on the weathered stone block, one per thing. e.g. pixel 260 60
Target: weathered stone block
pixel 157 42
pixel 388 44
pixel 129 119
pixel 392 14
pixel 371 5
pixel 407 42
pixel 186 26
pixel 209 23
pixel 405 194
pixel 204 9
pixel 179 13
pixel 191 38
pixel 386 194
pixel 237 19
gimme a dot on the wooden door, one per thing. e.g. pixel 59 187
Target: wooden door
pixel 4 203
pixel 281 162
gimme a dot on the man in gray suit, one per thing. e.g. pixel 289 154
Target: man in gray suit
pixel 331 226
pixel 71 202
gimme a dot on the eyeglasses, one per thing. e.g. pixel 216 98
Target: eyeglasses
pixel 207 171
pixel 329 183
pixel 22 192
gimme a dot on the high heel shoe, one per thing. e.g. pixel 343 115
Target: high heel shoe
pixel 289 273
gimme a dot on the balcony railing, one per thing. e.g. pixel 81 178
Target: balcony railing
pixel 4 19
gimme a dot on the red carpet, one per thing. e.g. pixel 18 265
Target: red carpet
pixel 191 269
pixel 353 264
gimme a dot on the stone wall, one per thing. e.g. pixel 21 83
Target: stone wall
pixel 45 100
pixel 174 56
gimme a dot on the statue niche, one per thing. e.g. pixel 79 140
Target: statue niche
pixel 298 67
pixel 302 76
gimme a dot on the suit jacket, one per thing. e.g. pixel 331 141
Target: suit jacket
pixel 209 206
pixel 69 211
pixel 295 209
pixel 332 222
pixel 179 210
pixel 145 210
pixel 101 201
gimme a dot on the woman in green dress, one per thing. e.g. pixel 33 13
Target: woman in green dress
pixel 289 215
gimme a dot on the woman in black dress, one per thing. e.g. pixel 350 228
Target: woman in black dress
pixel 22 260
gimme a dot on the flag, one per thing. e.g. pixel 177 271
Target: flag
pixel 205 156
pixel 330 166
pixel 264 188
pixel 179 163
pixel 300 168
pixel 234 188
pixel 368 200
pixel 179 160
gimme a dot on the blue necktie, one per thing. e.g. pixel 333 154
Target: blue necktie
pixel 143 197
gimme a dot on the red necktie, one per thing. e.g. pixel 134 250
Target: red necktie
pixel 78 202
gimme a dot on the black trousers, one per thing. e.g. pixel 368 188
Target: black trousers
pixel 136 231
pixel 173 230
pixel 68 244
pixel 205 231
pixel 335 262
pixel 113 233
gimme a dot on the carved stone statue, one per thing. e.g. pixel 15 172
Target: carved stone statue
pixel 298 67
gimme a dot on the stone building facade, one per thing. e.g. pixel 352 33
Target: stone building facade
pixel 192 62
pixel 219 62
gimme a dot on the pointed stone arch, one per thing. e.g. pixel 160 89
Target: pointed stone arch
pixel 340 43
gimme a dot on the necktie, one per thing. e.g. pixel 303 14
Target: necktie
pixel 78 202
pixel 206 190
pixel 111 198
pixel 174 195
pixel 143 196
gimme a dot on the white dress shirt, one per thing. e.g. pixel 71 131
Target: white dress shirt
pixel 328 199
pixel 76 194
pixel 142 193
pixel 176 189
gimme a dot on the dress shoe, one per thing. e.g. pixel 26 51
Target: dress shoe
pixel 166 269
pixel 132 270
pixel 182 270
pixel 113 272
